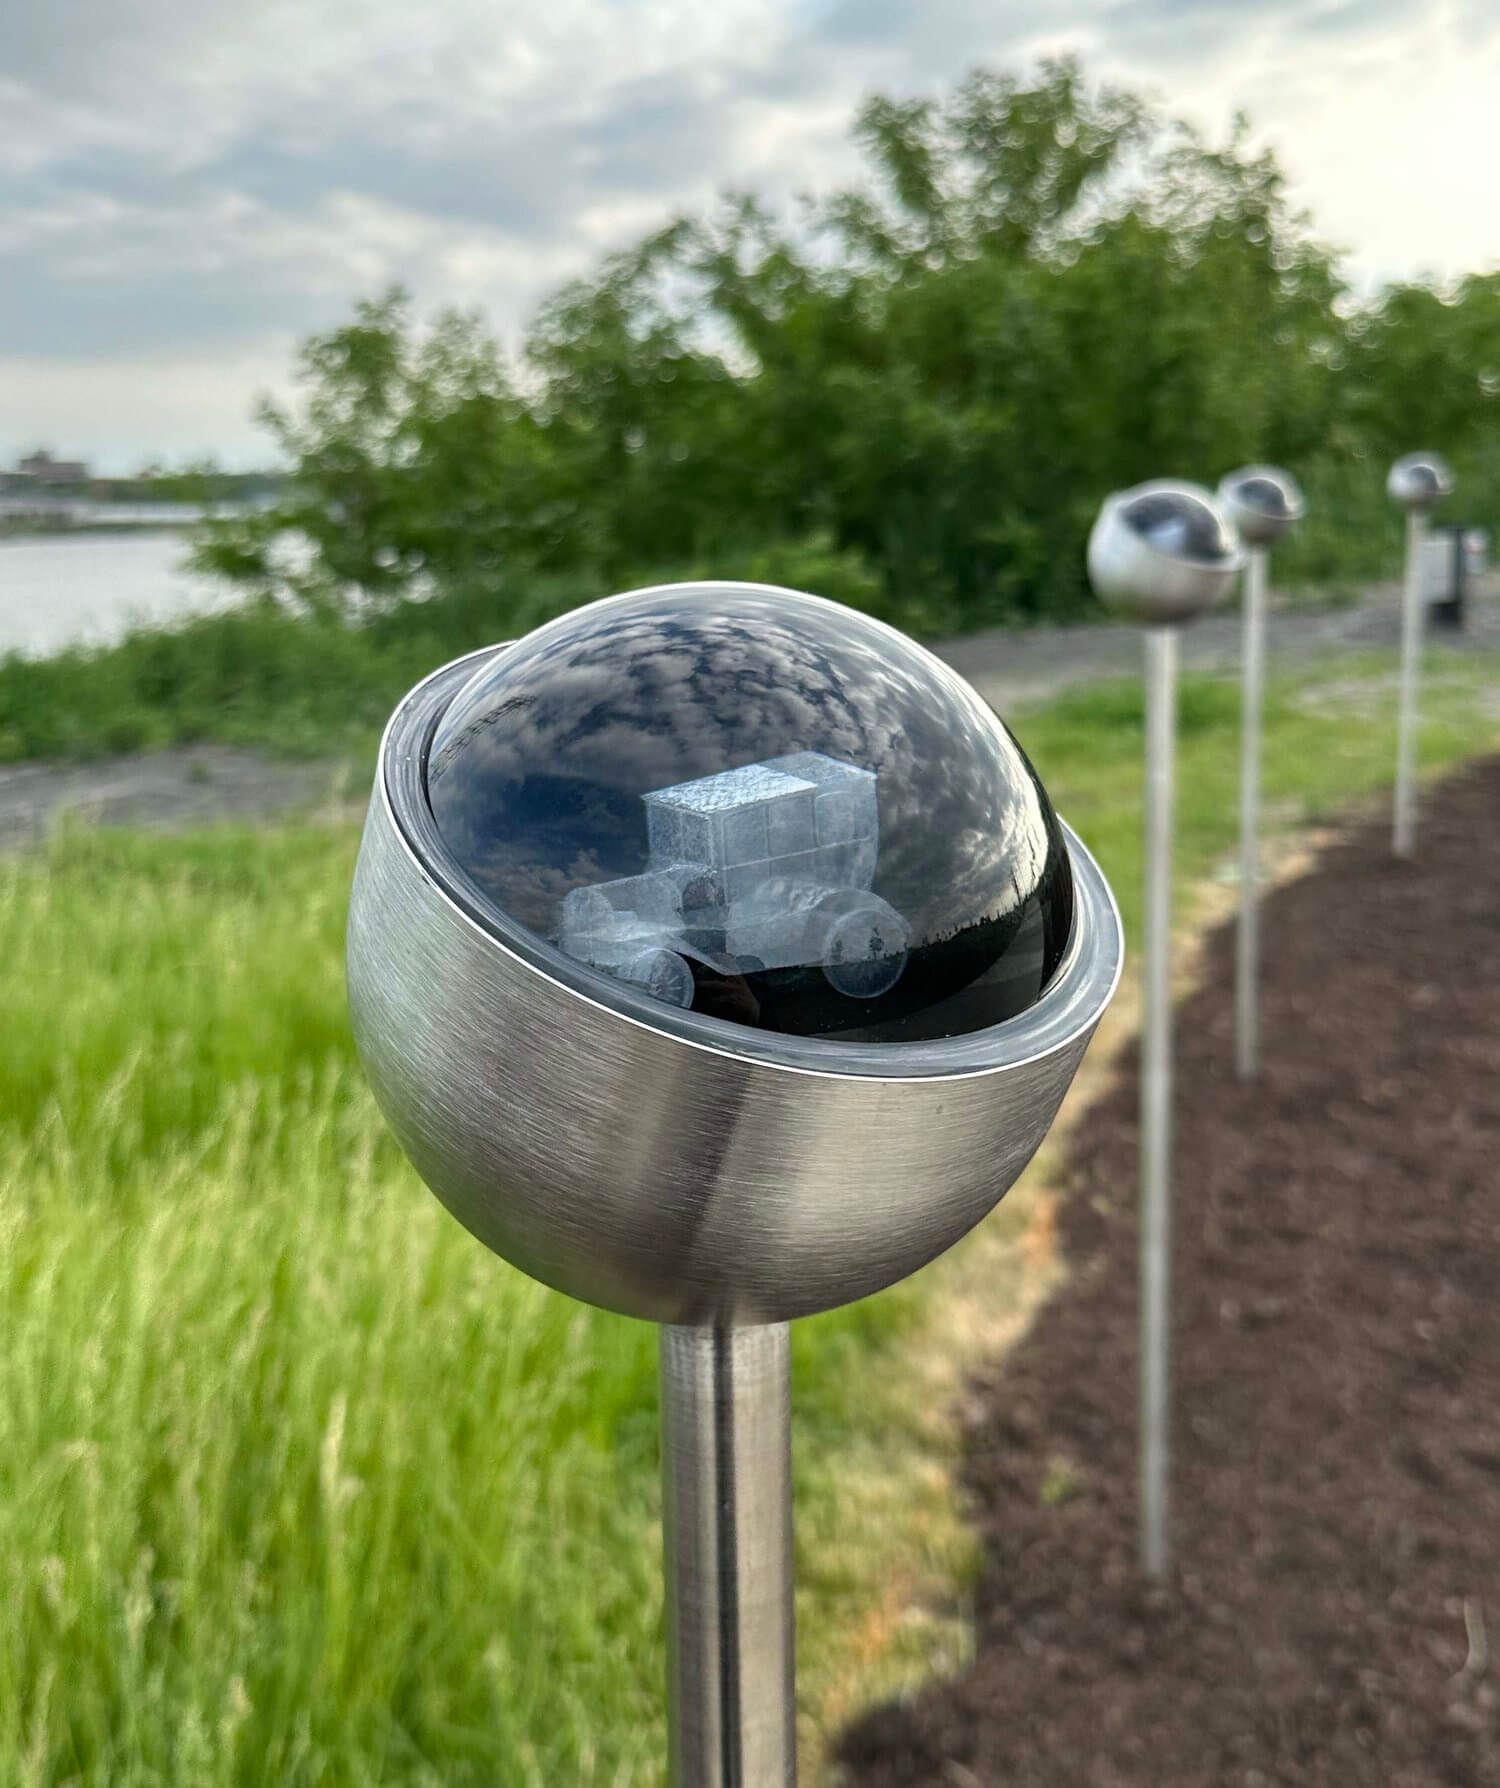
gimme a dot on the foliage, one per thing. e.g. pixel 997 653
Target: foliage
pixel 1041 289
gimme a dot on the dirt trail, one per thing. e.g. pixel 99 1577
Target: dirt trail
pixel 185 786
pixel 1333 1612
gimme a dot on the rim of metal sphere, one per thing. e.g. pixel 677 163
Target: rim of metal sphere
pixel 1069 1005
pixel 1118 502
pixel 1247 515
pixel 1138 577
pixel 1404 484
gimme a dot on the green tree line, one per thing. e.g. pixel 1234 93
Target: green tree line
pixel 911 393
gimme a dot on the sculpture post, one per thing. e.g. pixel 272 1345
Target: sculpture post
pixel 1417 481
pixel 1161 553
pixel 1156 1101
pixel 1262 502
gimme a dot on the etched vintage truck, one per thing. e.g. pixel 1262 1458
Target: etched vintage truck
pixel 764 867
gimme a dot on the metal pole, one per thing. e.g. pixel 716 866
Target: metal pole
pixel 727 1516
pixel 1247 953
pixel 1156 1099
pixel 1411 654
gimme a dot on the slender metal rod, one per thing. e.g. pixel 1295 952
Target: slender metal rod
pixel 1247 951
pixel 1411 654
pixel 727 1516
pixel 1156 1101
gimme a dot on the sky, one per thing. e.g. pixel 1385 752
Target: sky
pixel 189 187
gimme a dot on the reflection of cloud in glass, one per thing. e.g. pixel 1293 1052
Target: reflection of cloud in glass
pixel 540 766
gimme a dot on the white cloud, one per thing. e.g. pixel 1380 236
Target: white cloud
pixel 185 184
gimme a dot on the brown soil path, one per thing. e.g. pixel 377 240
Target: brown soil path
pixel 1333 1613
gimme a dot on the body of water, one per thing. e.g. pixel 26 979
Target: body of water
pixel 58 590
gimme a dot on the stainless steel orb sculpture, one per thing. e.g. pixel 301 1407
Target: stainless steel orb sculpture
pixel 1159 554
pixel 1419 480
pixel 715 952
pixel 1261 502
pixel 1162 552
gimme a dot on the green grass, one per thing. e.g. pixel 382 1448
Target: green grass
pixel 297 1484
pixel 1329 742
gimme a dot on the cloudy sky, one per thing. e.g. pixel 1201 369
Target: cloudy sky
pixel 188 186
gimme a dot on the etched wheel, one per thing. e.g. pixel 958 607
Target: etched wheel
pixel 865 950
pixel 664 975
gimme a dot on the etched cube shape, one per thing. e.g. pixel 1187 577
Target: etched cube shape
pixel 791 824
pixel 847 806
pixel 842 816
pixel 705 806
pixel 745 833
pixel 801 866
pixel 743 879
pixel 677 834
pixel 860 858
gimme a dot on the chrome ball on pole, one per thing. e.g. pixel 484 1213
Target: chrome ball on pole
pixel 1263 503
pixel 1160 554
pixel 717 957
pixel 1417 482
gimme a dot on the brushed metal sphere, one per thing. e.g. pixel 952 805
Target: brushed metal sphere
pixel 1262 503
pixel 1418 480
pixel 661 1161
pixel 1163 552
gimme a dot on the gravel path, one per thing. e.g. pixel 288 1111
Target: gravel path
pixel 190 785
pixel 1010 667
pixel 186 786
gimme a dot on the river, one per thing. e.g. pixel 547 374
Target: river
pixel 62 589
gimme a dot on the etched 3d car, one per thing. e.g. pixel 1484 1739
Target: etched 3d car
pixel 764 867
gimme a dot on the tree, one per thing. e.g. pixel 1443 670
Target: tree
pixel 1041 289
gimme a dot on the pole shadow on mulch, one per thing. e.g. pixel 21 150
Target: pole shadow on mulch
pixel 1333 1612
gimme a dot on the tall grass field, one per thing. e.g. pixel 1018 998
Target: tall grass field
pixel 297 1484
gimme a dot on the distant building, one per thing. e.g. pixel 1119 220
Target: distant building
pixel 42 469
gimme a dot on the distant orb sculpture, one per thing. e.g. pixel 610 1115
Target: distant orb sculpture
pixel 1419 480
pixel 1263 503
pixel 1163 553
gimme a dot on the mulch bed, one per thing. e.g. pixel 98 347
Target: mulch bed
pixel 1332 1614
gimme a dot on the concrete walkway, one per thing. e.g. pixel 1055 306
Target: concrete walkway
pixel 1009 667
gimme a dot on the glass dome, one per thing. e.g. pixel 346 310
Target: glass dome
pixel 757 806
pixel 1265 491
pixel 1420 479
pixel 1180 522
